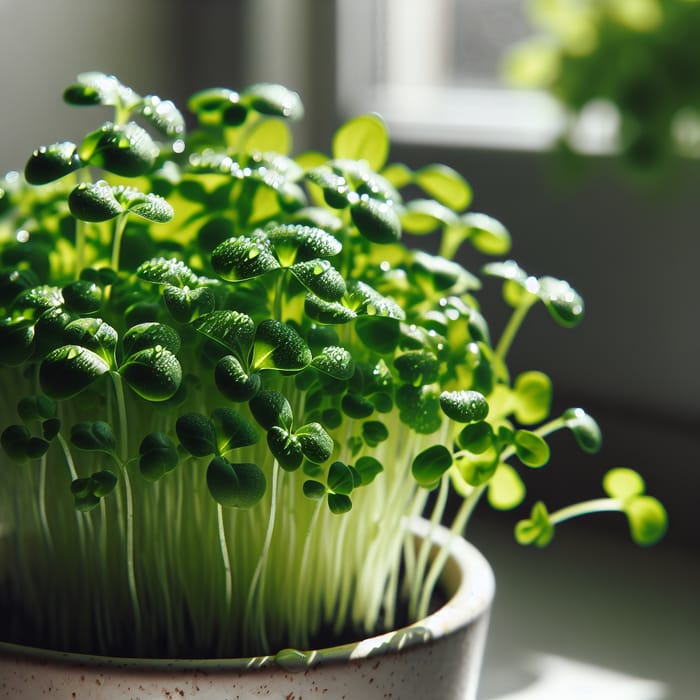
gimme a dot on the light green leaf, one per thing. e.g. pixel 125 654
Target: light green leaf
pixel 278 346
pixel 273 100
pixel 623 483
pixel 531 449
pixel 446 185
pixel 363 138
pixel 506 489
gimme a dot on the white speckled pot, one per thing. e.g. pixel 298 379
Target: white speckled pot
pixel 437 657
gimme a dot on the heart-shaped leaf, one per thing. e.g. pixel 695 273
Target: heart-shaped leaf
pixel 506 488
pixel 158 456
pixel 154 374
pixel 285 448
pixel 171 271
pixel 278 346
pixel 242 258
pixel 368 468
pixel 185 305
pixel 531 449
pixel 235 485
pixel 330 312
pixel 93 334
pixel 93 436
pixel 70 369
pixel 233 330
pixel 340 478
pixel 537 529
pixel 232 430
pixel 233 381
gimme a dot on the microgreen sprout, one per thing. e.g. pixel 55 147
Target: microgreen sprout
pixel 229 384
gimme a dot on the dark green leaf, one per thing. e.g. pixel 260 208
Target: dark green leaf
pixel 339 503
pixel 50 163
pixel 235 485
pixel 103 483
pixel 418 367
pixel 70 369
pixel 476 437
pixel 232 429
pixel 285 448
pixel 379 333
pixel 154 374
pixel 314 489
pixel 122 149
pixel 293 241
pixel 377 221
pixel 374 432
pixel 36 407
pixel 15 442
pixel 233 382
pixel 356 406
pixel 82 296
pixel 184 305
pixel 93 334
pixel 327 311
pixel 167 271
pixel 150 335
pixel 340 478
pixel 93 436
pixel 242 258
pixel 148 206
pixel 94 201
pixel 563 302
pixel 93 88
pixel 464 406
pixel 316 443
pixel 197 434
pixel 164 115
pixel 334 361
pixel 368 468
pixel 584 428
pixel 429 465
pixel 321 278
pixel 16 340
pixel 271 408
pixel 279 346
pixel 158 456
pixel 419 407
pixel 233 330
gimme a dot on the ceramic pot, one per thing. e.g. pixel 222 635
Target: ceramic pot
pixel 436 657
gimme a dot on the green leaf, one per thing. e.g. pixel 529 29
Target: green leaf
pixel 340 479
pixel 314 490
pixel 167 271
pixel 232 430
pixel 339 503
pixel 233 330
pixel 150 335
pixel 377 221
pixel 363 138
pixel 537 529
pixel 122 149
pixel 235 485
pixel 374 432
pixel 488 235
pixel 50 163
pixel 158 456
pixel 476 437
pixel 93 334
pixel 15 441
pixel 213 101
pixel 421 216
pixel 563 302
pixel 429 465
pixel 533 397
pixel 368 468
pixel 271 408
pixel 154 374
pixel 506 488
pixel 285 448
pixel 164 115
pixel 185 305
pixel 278 346
pixel 36 407
pixel 464 406
pixel 293 241
pixel 419 407
pixel 68 370
pixel 82 296
pixel 197 434
pixel 148 206
pixel 233 381
pixel 93 436
pixel 334 361
pixel 16 340
pixel 647 519
pixel 336 190
pixel 381 334
pixel 103 483
pixel 478 469
pixel 321 278
pixel 330 312
pixel 242 258
pixel 93 88
pixel 84 499
pixel 94 201
pixel 316 443
pixel 273 100
pixel 584 428
pixel 531 449
pixel 356 406
pixel 367 300
pixel 443 274
pixel 444 184
pixel 623 483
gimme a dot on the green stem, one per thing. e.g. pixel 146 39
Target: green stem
pixel 228 581
pixel 119 226
pixel 512 327
pixel 596 505
pixel 262 563
pixel 458 525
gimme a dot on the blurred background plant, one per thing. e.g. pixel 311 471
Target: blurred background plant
pixel 633 62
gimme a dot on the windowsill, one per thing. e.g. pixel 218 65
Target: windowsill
pixel 592 616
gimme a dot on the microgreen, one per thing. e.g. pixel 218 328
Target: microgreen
pixel 230 379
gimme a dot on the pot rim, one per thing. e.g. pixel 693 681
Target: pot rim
pixel 467 575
